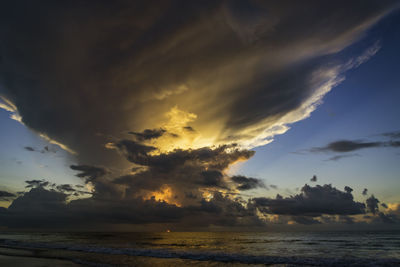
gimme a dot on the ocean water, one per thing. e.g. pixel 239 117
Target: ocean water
pixel 362 248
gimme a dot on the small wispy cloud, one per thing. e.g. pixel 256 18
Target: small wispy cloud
pixel 344 146
pixel 339 157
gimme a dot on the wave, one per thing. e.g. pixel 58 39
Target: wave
pixel 207 256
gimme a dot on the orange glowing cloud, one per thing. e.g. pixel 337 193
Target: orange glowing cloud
pixel 165 194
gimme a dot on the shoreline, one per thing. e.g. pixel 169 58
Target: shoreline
pixel 40 257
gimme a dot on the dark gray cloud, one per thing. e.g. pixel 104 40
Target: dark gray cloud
pixel 189 128
pixel 392 135
pixel 148 134
pixel 90 173
pixel 135 152
pixel 348 189
pixel 4 195
pixel 215 158
pixel 365 192
pixel 388 218
pixel 71 190
pixel 47 207
pixel 67 189
pixel 392 216
pixel 339 157
pixel 344 146
pixel 41 207
pixel 247 183
pixel 313 202
pixel 36 183
pixel 212 178
pixel 185 172
pixel 372 204
pixel 46 149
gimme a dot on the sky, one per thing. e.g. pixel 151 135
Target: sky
pixel 137 115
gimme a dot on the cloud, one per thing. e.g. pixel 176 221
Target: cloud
pixel 206 82
pixel 52 207
pixel 69 190
pixel 392 135
pixel 365 192
pixel 391 216
pixel 148 134
pixel 348 189
pixel 372 204
pixel 46 149
pixel 345 146
pixel 338 157
pixel 247 183
pixel 36 183
pixel 185 174
pixel 89 172
pixel 215 158
pixel 189 128
pixel 212 178
pixel 5 196
pixel 305 220
pixel 10 107
pixel 346 219
pixel 388 218
pixel 313 179
pixel 313 202
pixel 48 208
pixel 258 71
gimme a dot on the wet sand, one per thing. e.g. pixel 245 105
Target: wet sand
pixel 27 261
pixel 25 257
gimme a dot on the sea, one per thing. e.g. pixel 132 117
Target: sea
pixel 338 248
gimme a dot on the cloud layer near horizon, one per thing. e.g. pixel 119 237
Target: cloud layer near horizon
pixel 46 206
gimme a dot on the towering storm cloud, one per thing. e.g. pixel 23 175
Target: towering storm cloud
pixel 82 72
pixel 156 100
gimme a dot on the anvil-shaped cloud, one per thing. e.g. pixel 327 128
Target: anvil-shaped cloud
pixel 181 89
pixel 212 72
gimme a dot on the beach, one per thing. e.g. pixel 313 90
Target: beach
pixel 22 258
pixel 34 262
